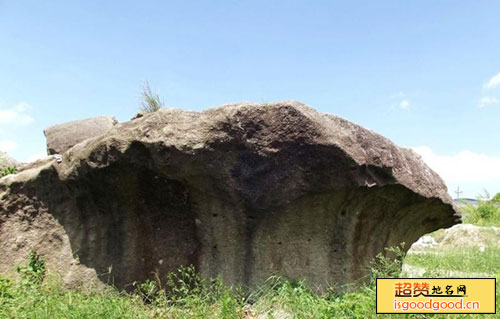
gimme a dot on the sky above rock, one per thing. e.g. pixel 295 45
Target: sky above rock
pixel 425 74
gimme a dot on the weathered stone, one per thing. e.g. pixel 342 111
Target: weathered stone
pixel 138 115
pixel 62 137
pixel 7 161
pixel 244 191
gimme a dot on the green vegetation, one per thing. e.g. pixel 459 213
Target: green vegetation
pixel 36 295
pixel 151 101
pixel 479 258
pixel 183 295
pixel 34 271
pixel 7 170
pixel 467 259
pixel 487 213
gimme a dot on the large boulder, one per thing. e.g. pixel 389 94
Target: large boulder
pixel 244 191
pixel 62 137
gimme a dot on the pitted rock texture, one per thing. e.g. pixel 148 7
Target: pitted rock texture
pixel 244 191
pixel 62 137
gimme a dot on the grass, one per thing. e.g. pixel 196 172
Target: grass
pixel 467 259
pixel 7 170
pixel 183 295
pixel 49 300
pixel 34 294
pixel 151 102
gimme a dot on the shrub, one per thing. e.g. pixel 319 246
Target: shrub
pixel 183 283
pixel 496 198
pixel 147 290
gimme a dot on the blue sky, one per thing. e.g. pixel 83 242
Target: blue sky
pixel 425 74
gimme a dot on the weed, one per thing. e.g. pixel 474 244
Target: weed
pixel 8 170
pixel 187 295
pixel 151 102
pixel 388 265
pixel 147 290
pixel 5 287
pixel 34 271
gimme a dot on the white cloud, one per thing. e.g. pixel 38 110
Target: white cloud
pixel 405 104
pixel 400 101
pixel 7 146
pixel 487 100
pixel 16 115
pixel 493 82
pixel 463 167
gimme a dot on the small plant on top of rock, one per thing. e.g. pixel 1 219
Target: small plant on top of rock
pixel 8 170
pixel 151 101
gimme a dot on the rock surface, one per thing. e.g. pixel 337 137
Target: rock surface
pixel 62 137
pixel 7 161
pixel 424 242
pixel 244 191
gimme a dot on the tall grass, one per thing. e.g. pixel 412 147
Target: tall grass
pixel 467 259
pixel 151 101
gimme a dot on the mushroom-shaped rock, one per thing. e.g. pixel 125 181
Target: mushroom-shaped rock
pixel 244 191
